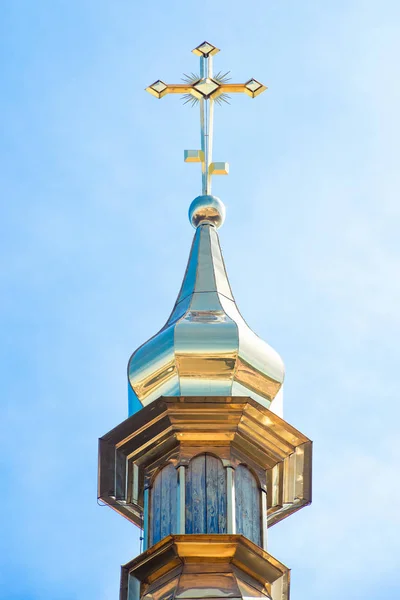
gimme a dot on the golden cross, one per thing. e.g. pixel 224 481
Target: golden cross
pixel 206 89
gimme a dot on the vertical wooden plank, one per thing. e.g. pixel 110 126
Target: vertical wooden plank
pixel 173 485
pixel 247 503
pixel 167 500
pixel 195 496
pixel 255 510
pixel 198 465
pixel 156 510
pixel 206 495
pixel 211 469
pixel 188 501
pixel 181 501
pixel 255 515
pixel 221 498
pixel 248 514
pixel 164 477
pixel 239 499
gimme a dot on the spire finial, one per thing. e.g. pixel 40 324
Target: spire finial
pixel 206 89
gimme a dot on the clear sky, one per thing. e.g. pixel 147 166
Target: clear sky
pixel 95 237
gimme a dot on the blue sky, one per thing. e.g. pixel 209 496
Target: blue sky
pixel 95 237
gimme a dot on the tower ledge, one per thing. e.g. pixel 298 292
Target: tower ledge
pixel 174 430
pixel 205 566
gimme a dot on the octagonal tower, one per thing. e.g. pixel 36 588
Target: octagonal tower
pixel 205 463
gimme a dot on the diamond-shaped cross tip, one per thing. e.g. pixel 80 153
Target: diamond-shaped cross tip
pixel 205 49
pixel 206 87
pixel 253 88
pixel 157 88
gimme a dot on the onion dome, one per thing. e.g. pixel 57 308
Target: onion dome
pixel 205 348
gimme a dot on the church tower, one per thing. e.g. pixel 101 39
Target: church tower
pixel 205 463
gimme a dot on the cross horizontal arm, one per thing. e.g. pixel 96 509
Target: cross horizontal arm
pixel 239 88
pixel 206 88
pixel 160 89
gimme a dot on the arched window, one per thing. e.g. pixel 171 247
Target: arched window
pixel 163 504
pixel 205 495
pixel 248 510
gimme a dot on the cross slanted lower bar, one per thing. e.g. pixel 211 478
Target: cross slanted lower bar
pixel 206 89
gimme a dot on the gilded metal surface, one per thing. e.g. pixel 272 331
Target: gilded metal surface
pixel 205 566
pixel 219 168
pixel 206 348
pixel 236 429
pixel 207 210
pixel 204 453
pixel 206 89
